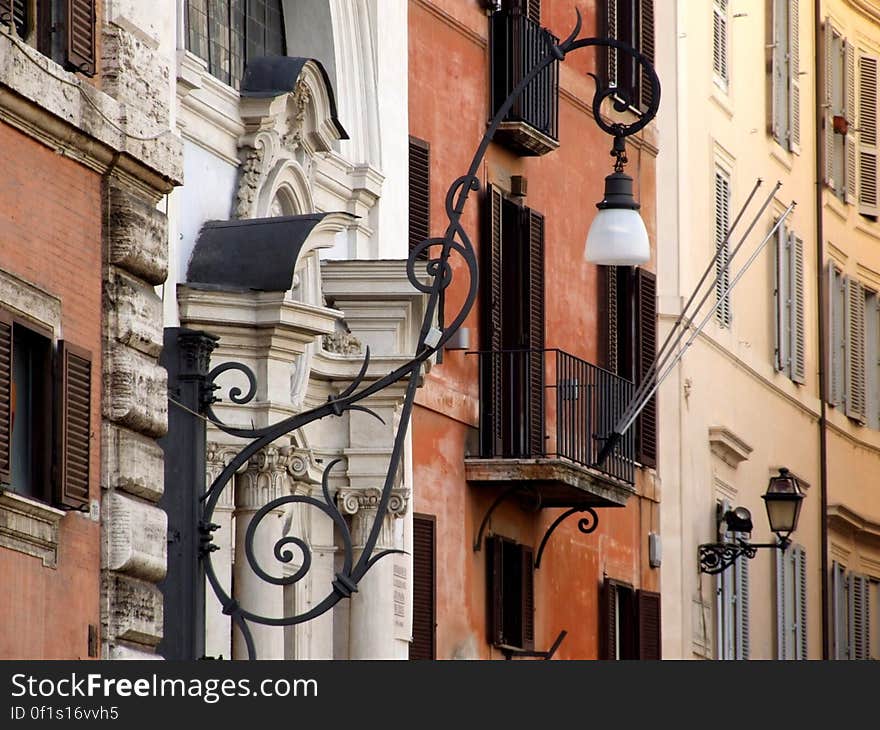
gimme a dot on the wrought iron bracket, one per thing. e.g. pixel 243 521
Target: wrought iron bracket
pixel 586 525
pixel 511 652
pixel 716 557
pixel 509 492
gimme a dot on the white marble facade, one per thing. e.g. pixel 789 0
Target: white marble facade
pixel 284 156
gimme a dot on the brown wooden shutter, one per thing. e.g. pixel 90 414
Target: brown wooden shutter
pixel 606 58
pixel 535 294
pixel 612 336
pixel 81 52
pixel 15 12
pixel 492 320
pixel 423 644
pixel 608 620
pixel 494 588
pixel 528 597
pixel 648 607
pixel 646 46
pixel 6 405
pixel 646 327
pixel 74 397
pixel 419 192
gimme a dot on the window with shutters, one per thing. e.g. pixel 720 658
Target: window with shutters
pixel 732 629
pixel 632 22
pixel 419 193
pixel 511 593
pixel 629 622
pixel 226 33
pixel 722 244
pixel 855 390
pixel 784 66
pixel 791 603
pixel 513 327
pixel 790 324
pixel 835 293
pixel 851 614
pixel 839 118
pixel 720 45
pixel 868 201
pixel 840 635
pixel 423 645
pixel 45 415
pixel 63 30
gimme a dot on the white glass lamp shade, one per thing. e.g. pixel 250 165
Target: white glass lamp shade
pixel 618 237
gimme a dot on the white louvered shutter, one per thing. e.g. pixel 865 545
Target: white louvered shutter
pixel 781 608
pixel 851 151
pixel 794 77
pixel 855 349
pixel 836 339
pixel 722 226
pixel 867 175
pixel 720 42
pixel 742 608
pixel 798 347
pixel 779 108
pixel 782 298
pixel 828 102
pixel 802 627
pixel 839 610
pixel 859 647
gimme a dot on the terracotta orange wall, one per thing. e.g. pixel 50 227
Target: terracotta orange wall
pixel 448 93
pixel 50 236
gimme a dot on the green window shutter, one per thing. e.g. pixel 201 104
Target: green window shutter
pixel 867 174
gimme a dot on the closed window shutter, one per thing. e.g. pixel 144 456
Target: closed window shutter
pixel 743 632
pixel 839 611
pixel 608 620
pixel 719 41
pixel 859 646
pixel 6 401
pixel 836 339
pixel 867 176
pixel 782 607
pixel 779 75
pixel 794 76
pixel 528 597
pixel 611 31
pixel 851 152
pixel 492 318
pixel 855 350
pixel 419 192
pixel 646 327
pixel 648 604
pixel 81 53
pixel 495 570
pixel 646 46
pixel 74 390
pixel 798 348
pixel 535 294
pixel 533 10
pixel 424 599
pixel 782 299
pixel 828 103
pixel 800 563
pixel 613 343
pixel 722 225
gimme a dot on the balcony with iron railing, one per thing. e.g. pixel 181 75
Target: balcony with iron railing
pixel 544 416
pixel 516 44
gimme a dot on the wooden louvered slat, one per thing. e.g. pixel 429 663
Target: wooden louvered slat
pixel 5 396
pixel 858 625
pixel 649 625
pixel 533 10
pixel 800 563
pixel 81 51
pixel 851 147
pixel 74 425
pixel 613 321
pixel 646 46
pixel 798 316
pixel 855 350
pixel 608 620
pixel 419 192
pixel 535 294
pixel 528 597
pixel 867 180
pixel 493 301
pixel 423 644
pixel 646 327
pixel 722 225
pixel 743 618
pixel 794 76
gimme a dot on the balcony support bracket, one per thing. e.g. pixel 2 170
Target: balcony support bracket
pixel 509 492
pixel 586 524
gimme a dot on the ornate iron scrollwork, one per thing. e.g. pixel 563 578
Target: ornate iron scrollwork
pixel 431 339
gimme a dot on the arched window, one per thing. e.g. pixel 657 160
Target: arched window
pixel 226 33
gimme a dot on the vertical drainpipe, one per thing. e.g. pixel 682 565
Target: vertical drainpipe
pixel 820 267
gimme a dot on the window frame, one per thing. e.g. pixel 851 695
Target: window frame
pixel 502 600
pixel 721 31
pixel 724 312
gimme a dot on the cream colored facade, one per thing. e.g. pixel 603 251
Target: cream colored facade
pixel 730 418
pixel 851 36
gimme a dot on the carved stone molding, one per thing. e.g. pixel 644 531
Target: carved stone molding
pixel 30 527
pixel 265 479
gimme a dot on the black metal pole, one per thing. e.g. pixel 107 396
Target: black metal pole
pixel 186 356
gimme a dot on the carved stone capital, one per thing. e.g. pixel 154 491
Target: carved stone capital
pixel 353 501
pixel 265 479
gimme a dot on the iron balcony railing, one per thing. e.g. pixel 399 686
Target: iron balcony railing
pixel 516 45
pixel 549 404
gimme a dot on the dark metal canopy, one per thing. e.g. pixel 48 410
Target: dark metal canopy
pixel 257 253
pixel 275 75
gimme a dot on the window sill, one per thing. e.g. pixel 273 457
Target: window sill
pixel 30 527
pixel 783 156
pixel 721 97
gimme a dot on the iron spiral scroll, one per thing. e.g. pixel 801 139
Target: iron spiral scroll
pixel 431 339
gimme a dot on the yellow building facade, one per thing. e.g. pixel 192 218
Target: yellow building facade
pixel 738 98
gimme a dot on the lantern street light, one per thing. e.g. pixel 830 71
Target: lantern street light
pixel 783 501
